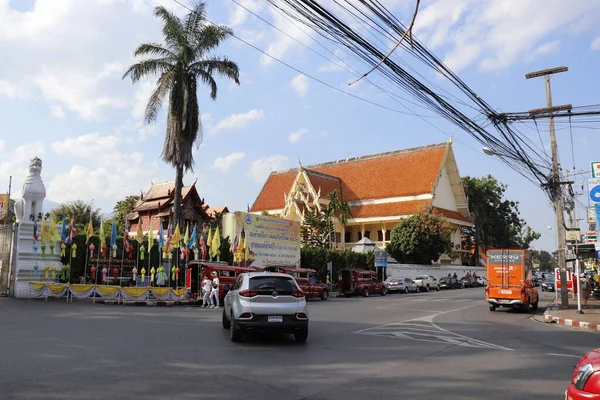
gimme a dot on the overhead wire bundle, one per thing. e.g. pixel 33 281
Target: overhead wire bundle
pixel 513 148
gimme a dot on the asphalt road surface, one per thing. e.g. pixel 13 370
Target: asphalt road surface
pixel 423 346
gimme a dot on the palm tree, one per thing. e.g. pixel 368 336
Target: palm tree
pixel 339 207
pixel 183 61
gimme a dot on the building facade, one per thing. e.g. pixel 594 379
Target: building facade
pixel 155 207
pixel 381 189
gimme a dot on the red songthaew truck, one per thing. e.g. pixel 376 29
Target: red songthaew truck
pixel 510 284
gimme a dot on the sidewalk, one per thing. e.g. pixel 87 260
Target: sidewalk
pixel 589 320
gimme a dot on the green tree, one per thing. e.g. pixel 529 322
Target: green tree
pixel 181 63
pixel 336 208
pixel 80 210
pixel 316 229
pixel 420 239
pixel 544 259
pixel 10 214
pixel 124 207
pixel 497 220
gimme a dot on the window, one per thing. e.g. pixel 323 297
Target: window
pixel 380 236
pixel 302 275
pixel 279 284
pixel 359 236
pixel 226 274
pixel 368 234
pixel 348 237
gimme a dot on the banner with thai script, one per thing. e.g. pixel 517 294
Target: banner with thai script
pixel 3 207
pixel 268 241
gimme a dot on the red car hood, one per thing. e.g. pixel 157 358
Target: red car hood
pixel 593 357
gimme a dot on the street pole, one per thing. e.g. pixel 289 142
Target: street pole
pixel 555 184
pixel 578 287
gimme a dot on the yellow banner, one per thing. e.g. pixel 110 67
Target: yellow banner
pixel 161 292
pixel 134 292
pixel 79 288
pixel 269 240
pixel 38 285
pixel 107 290
pixel 57 287
pixel 179 292
pixel 3 207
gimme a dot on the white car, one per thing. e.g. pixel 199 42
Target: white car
pixel 265 302
pixel 426 282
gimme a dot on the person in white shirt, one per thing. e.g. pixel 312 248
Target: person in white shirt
pixel 214 294
pixel 206 288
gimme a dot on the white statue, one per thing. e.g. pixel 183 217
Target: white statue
pixel 33 193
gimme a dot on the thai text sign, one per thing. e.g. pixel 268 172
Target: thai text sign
pixel 270 240
pixel 3 206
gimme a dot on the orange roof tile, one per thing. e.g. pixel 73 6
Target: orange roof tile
pixel 451 214
pixel 326 183
pixel 398 173
pixel 390 209
pixel 212 210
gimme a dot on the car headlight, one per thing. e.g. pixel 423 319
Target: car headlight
pixel 584 373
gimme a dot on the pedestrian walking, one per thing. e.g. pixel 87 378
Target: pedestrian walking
pixel 584 285
pixel 206 289
pixel 214 293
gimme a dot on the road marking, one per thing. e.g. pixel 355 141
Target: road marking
pixel 423 329
pixel 563 355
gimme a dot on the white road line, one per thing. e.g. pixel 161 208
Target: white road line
pixel 563 355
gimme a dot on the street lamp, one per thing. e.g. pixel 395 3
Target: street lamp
pixel 491 152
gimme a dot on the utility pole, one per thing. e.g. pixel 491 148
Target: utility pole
pixel 555 184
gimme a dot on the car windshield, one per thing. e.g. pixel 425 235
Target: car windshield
pixel 279 284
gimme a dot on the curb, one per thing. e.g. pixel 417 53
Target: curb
pixel 549 318
pixel 145 303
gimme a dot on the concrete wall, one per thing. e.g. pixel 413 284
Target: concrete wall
pixel 437 271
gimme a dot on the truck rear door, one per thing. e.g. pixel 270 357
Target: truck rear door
pixel 505 272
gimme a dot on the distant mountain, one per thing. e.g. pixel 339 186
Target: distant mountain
pixel 50 205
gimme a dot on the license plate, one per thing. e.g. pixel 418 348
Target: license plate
pixel 504 291
pixel 275 318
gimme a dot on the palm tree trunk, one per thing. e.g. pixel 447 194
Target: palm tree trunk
pixel 177 199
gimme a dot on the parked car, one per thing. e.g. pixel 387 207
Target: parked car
pixel 359 282
pixel 426 282
pixel 480 281
pixel 548 285
pixel 310 285
pixel 408 285
pixel 449 283
pixel 467 282
pixel 394 285
pixel 585 383
pixel 265 302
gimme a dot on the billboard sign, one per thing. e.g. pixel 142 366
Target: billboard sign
pixel 594 191
pixel 270 241
pixel 595 169
pixel 591 215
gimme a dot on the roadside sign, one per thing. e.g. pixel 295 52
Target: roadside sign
pixel 591 215
pixel 592 237
pixel 594 190
pixel 380 258
pixel 569 279
pixel 573 235
pixel 595 169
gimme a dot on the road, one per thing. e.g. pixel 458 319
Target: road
pixel 427 346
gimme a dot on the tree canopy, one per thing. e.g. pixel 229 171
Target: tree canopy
pixel 545 260
pixel 420 239
pixel 124 207
pixel 498 222
pixel 80 210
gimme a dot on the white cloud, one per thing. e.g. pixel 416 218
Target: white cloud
pixel 237 121
pixel 260 169
pixel 300 84
pixel 2 145
pixel 239 15
pixel 495 34
pixel 57 112
pixel 16 162
pixel 224 164
pixel 294 137
pixel 90 145
pixel 596 44
pixel 142 94
pixel 283 44
pixel 546 48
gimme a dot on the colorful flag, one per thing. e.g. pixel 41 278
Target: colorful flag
pixel 63 228
pixel 126 237
pixel 72 231
pixel 203 247
pixel 150 237
pixel 216 244
pixel 176 237
pixel 192 240
pixel 139 234
pixel 54 236
pixel 161 238
pixel 186 237
pixel 43 230
pixel 246 247
pixel 89 232
pixel 101 236
pixel 234 247
pixel 210 239
pixel 113 234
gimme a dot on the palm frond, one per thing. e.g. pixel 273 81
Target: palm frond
pixel 195 18
pixel 154 50
pixel 163 84
pixel 222 65
pixel 148 67
pixel 208 37
pixel 207 78
pixel 173 29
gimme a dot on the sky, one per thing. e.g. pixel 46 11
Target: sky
pixel 63 98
